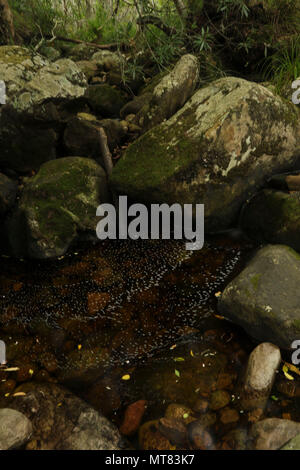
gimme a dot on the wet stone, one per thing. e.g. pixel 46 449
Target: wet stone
pixel 199 436
pixel 219 399
pixel 133 417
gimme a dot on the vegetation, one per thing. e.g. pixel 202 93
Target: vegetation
pixel 257 39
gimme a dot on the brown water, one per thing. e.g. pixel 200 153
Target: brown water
pixel 145 311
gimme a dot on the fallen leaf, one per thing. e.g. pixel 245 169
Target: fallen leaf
pixel 126 377
pixel 287 375
pixel 292 368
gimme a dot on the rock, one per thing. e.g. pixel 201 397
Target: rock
pixel 50 53
pixel 201 405
pixel 150 438
pixel 30 121
pixel 219 399
pixel 105 100
pixel 82 368
pixel 81 136
pixel 56 205
pixel 285 182
pixel 236 439
pixel 174 430
pixel 199 436
pixel 229 416
pixel 134 106
pixel 273 217
pixel 273 433
pixel 62 421
pixel 264 297
pixel 177 411
pixel 133 417
pixel 260 375
pixel 107 60
pixel 82 52
pixel 293 444
pixel 88 67
pixel 212 151
pixel 171 93
pixel 15 429
pixel 8 192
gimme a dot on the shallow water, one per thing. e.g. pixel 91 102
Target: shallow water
pixel 145 310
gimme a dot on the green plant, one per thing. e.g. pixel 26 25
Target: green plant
pixel 284 65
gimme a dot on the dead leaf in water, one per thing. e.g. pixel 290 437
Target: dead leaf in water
pixel 126 377
pixel 287 375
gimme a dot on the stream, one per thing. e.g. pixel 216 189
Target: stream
pixel 125 321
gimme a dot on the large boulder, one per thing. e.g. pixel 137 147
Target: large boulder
pixel 273 217
pixel 36 90
pixel 62 421
pixel 264 298
pixel 56 206
pixel 216 150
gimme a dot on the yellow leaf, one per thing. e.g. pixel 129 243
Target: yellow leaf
pixel 191 353
pixel 287 375
pixel 79 347
pixel 30 371
pixel 173 347
pixel 219 317
pixel 126 377
pixel 217 294
pixel 292 368
pixel 19 394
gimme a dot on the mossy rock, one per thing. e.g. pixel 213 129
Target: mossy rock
pixel 106 100
pixel 217 150
pixel 56 206
pixel 264 298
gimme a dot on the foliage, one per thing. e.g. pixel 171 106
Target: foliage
pixel 234 36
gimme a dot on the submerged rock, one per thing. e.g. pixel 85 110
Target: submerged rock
pixel 30 119
pixel 273 433
pixel 264 298
pixel 216 150
pixel 293 444
pixel 273 217
pixel 133 417
pixel 62 421
pixel 56 206
pixel 15 429
pixel 260 376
